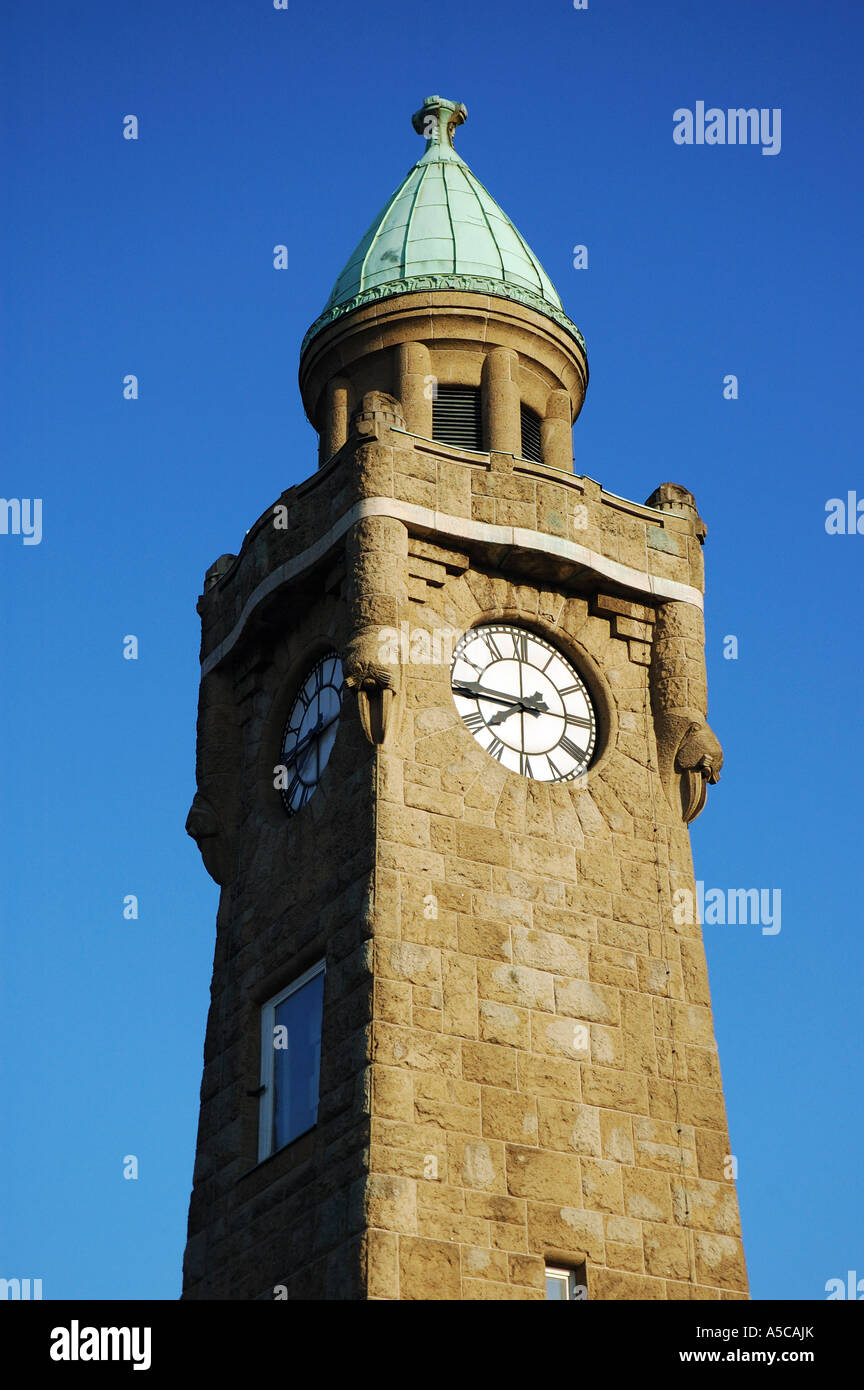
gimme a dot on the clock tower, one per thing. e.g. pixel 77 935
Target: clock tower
pixel 452 731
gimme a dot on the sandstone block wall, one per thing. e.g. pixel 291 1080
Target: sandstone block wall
pixel 545 1076
pixel 518 1056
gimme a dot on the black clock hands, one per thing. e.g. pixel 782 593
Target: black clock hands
pixel 317 729
pixel 519 673
pixel 531 704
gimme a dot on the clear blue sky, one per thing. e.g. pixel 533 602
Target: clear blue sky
pixel 154 257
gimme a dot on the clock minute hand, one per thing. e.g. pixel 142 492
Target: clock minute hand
pixel 533 704
pixel 480 692
pixel 300 748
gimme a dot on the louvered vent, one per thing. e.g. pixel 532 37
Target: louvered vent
pixel 530 435
pixel 456 417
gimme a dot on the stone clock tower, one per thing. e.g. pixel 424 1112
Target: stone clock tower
pixel 452 730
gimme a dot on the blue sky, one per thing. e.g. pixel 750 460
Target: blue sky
pixel 155 257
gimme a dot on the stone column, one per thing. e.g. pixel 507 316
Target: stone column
pixel 556 439
pixel 502 425
pixel 334 426
pixel 414 387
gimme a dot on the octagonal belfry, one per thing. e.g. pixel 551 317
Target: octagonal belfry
pixel 452 731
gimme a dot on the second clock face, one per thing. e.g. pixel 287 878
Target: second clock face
pixel 524 702
pixel 311 731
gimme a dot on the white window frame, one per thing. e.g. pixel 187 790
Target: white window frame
pixel 268 1060
pixel 565 1276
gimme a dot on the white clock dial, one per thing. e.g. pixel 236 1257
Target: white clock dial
pixel 311 731
pixel 524 702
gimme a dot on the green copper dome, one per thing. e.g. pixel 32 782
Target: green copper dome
pixel 441 229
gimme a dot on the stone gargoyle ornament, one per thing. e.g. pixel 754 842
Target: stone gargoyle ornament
pixel 698 761
pixel 204 826
pixel 377 686
pixel 689 752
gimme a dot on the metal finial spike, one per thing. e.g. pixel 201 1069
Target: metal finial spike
pixel 437 119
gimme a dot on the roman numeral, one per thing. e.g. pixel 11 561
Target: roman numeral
pixel 496 748
pixel 570 690
pixel 520 642
pixel 578 720
pixel 570 747
pixel 557 775
pixel 473 721
pixel 496 651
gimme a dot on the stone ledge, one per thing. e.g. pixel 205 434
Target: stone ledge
pixel 505 539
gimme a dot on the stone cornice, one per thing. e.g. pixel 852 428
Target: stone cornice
pixel 467 284
pixel 459 529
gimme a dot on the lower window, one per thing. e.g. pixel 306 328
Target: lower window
pixel 290 1061
pixel 563 1283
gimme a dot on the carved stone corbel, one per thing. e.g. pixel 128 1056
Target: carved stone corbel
pixel 377 686
pixel 699 759
pixel 689 753
pixel 212 819
pixel 376 555
pixel 204 826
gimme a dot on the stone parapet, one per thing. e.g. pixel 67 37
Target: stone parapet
pixel 501 509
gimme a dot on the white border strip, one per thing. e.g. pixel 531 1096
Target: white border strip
pixel 452 528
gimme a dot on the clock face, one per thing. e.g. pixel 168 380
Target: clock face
pixel 524 702
pixel 311 731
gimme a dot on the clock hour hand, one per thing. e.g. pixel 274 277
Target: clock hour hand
pixel 299 748
pixel 531 704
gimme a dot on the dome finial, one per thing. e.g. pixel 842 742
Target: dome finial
pixel 437 119
pixel 441 230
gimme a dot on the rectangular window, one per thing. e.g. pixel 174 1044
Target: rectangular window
pixel 290 1061
pixel 562 1283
